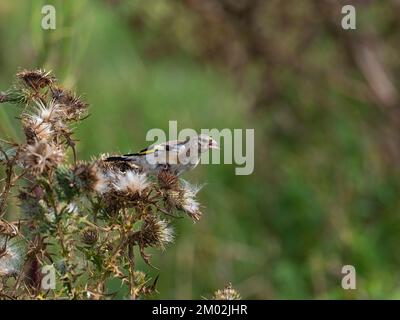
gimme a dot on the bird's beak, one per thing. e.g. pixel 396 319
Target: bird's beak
pixel 214 145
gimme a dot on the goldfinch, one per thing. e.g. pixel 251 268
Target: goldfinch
pixel 175 156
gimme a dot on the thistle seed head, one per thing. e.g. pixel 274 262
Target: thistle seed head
pixel 185 199
pixel 156 232
pixel 50 113
pixel 167 180
pixel 36 129
pixel 131 183
pixel 41 157
pixel 90 236
pixel 36 79
pixel 102 185
pixel 74 107
pixel 227 293
pixel 106 174
pixel 86 176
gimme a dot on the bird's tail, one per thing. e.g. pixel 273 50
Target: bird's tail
pixel 118 158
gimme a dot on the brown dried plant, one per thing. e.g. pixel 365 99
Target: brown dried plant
pixel 85 219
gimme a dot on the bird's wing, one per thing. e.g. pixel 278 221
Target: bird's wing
pixel 175 145
pixel 148 150
pixel 169 146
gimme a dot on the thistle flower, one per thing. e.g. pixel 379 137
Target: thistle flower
pixel 41 157
pixel 185 199
pixel 104 175
pixel 49 113
pixel 10 257
pixel 36 79
pixel 131 183
pixel 167 180
pixel 93 235
pixel 36 129
pixel 119 188
pixel 227 293
pixel 102 184
pixel 86 176
pixel 156 233
pixel 73 106
pixel 90 236
pixel 44 122
pixel 190 204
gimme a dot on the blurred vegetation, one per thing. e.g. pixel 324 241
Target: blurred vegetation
pixel 323 103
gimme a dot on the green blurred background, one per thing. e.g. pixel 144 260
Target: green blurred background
pixel 323 102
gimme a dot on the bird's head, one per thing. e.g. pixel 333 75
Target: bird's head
pixel 206 142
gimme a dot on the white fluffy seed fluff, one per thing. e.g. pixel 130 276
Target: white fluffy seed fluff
pixel 166 234
pixel 190 203
pixel 48 113
pixel 102 184
pixel 131 182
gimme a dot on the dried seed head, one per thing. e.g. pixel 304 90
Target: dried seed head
pixel 73 106
pixel 102 184
pixel 86 176
pixel 131 183
pixel 114 166
pixel 90 236
pixel 105 174
pixel 167 180
pixel 50 113
pixel 185 199
pixel 10 257
pixel 118 188
pixel 36 129
pixel 41 157
pixel 228 293
pixel 156 233
pixel 36 79
pixel 45 122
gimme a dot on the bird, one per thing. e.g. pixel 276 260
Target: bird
pixel 175 156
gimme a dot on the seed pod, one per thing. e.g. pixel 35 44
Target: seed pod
pixel 167 180
pixel 156 233
pixel 36 79
pixel 227 293
pixel 90 236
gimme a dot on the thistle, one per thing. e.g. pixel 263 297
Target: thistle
pixel 87 218
pixel 36 79
pixel 156 233
pixel 131 183
pixel 41 157
pixel 227 293
pixel 184 198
